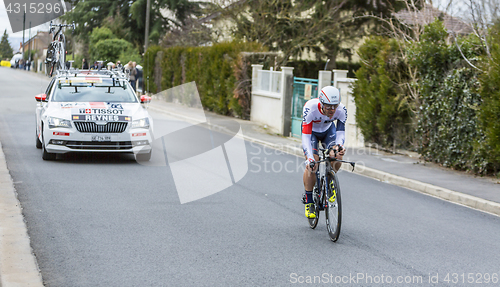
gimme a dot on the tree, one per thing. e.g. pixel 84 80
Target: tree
pixel 383 113
pixel 5 48
pixel 490 108
pixel 126 19
pixel 346 25
pixel 325 28
pixel 106 46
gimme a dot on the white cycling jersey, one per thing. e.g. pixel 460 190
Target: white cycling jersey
pixel 315 121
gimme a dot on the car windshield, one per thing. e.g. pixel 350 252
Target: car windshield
pixel 94 90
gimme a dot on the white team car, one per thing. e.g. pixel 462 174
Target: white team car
pixel 91 111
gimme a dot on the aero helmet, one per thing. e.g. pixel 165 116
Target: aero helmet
pixel 329 95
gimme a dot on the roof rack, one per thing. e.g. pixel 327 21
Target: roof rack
pixel 114 73
pixel 66 72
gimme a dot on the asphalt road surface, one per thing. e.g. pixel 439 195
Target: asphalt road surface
pixel 105 220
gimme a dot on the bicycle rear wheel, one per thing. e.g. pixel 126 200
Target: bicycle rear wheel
pixel 333 212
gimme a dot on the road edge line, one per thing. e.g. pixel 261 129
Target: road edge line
pixel 18 265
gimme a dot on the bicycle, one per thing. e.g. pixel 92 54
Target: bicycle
pixel 56 52
pixel 327 186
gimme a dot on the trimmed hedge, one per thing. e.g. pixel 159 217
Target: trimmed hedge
pixel 214 69
pixel 451 119
pixel 309 69
pixel 489 113
pixel 448 126
pixel 383 112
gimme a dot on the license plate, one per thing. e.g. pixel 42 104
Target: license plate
pixel 101 138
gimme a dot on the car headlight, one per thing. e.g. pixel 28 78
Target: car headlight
pixel 141 124
pixel 58 123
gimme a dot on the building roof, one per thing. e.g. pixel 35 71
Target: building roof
pixel 41 36
pixel 428 14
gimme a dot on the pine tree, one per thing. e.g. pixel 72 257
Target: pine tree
pixel 5 48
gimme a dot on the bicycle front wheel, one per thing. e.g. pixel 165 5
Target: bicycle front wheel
pixel 313 222
pixel 333 212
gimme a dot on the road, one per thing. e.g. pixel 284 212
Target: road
pixel 105 220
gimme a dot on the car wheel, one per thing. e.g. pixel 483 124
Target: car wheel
pixel 38 142
pixel 46 155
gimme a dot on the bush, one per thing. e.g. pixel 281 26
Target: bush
pixel 212 68
pixel 105 46
pixel 383 111
pixel 242 67
pixel 109 49
pixel 447 126
pixel 309 69
pixel 77 60
pixel 490 107
pixel 149 67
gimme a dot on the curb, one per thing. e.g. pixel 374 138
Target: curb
pixel 433 190
pixel 426 188
pixel 18 266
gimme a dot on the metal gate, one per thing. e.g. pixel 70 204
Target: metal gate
pixel 303 90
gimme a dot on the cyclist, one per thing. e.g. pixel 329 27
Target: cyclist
pixel 317 125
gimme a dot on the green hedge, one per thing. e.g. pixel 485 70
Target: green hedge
pixel 309 69
pixel 447 126
pixel 383 111
pixel 214 69
pixel 450 115
pixel 489 113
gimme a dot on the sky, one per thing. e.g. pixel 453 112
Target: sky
pixel 16 38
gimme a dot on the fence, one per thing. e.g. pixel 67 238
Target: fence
pixel 303 90
pixel 278 99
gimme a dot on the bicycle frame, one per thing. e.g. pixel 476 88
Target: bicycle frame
pixel 327 197
pixel 320 176
pixel 58 47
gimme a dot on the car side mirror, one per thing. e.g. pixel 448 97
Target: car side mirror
pixel 145 99
pixel 41 98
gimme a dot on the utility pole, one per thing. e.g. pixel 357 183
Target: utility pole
pixel 146 39
pixel 29 48
pixel 24 27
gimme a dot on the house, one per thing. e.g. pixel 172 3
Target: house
pixel 428 14
pixel 38 45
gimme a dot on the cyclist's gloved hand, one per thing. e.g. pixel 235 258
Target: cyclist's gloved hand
pixel 337 151
pixel 341 150
pixel 309 162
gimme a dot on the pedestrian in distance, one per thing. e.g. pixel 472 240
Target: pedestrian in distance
pixel 85 65
pixel 132 74
pixel 95 66
pixel 119 65
pixel 140 82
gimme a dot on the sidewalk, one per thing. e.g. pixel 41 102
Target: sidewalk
pixel 402 170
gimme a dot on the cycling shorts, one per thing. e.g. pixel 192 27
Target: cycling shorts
pixel 327 139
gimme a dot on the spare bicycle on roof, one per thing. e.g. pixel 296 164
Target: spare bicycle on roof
pixel 56 52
